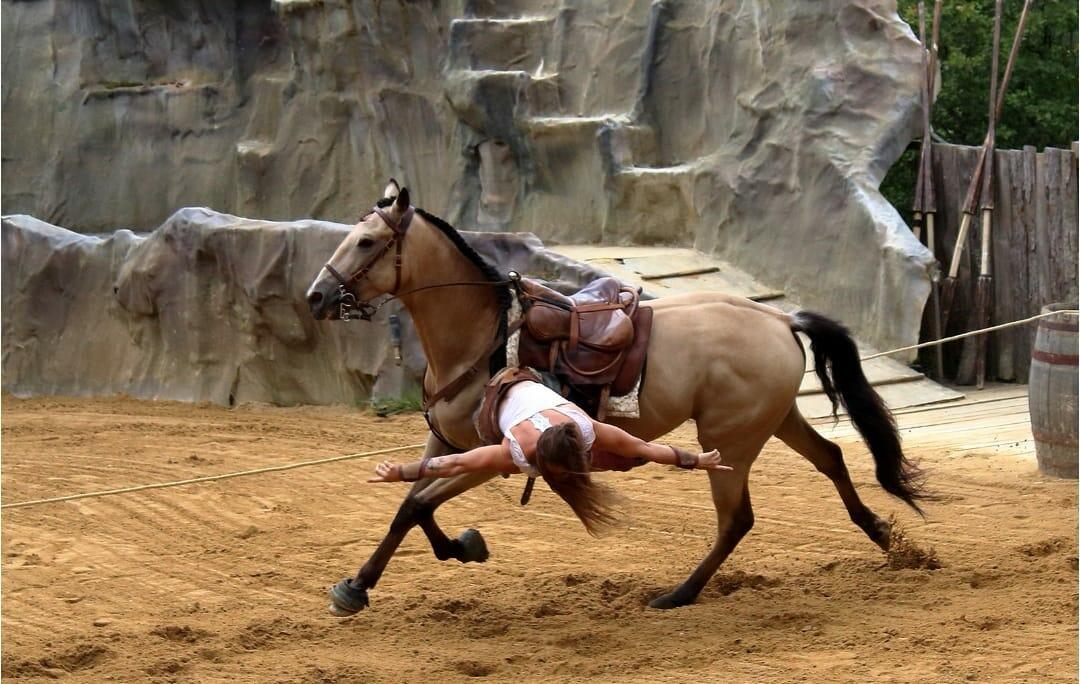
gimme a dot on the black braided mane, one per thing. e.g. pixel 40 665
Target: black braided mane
pixel 502 294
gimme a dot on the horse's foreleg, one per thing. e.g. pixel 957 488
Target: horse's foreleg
pixel 470 546
pixel 828 458
pixel 350 596
pixel 735 517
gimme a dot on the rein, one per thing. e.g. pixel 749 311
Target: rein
pixel 348 302
pixel 370 309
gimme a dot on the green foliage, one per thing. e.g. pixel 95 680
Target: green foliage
pixel 408 402
pixel 1040 106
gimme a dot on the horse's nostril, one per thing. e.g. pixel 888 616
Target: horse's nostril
pixel 116 290
pixel 314 297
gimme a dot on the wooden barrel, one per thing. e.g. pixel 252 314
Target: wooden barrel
pixel 1052 392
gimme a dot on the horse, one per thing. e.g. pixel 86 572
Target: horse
pixel 731 364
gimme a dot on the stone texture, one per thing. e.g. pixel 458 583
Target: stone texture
pixel 756 131
pixel 208 307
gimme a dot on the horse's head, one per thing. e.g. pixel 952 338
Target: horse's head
pixel 368 263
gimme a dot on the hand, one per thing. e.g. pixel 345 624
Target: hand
pixel 710 460
pixel 387 471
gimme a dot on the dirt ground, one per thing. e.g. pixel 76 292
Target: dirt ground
pixel 226 581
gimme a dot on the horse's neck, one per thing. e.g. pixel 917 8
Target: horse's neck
pixel 456 325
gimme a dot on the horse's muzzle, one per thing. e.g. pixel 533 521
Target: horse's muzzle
pixel 323 300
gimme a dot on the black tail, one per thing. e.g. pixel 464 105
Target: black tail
pixel 836 361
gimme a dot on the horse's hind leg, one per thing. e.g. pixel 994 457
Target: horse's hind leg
pixel 734 518
pixel 828 458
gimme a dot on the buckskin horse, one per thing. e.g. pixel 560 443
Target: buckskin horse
pixel 731 364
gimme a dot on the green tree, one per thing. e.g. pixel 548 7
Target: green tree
pixel 1041 102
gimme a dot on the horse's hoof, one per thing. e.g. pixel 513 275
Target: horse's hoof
pixel 670 600
pixel 338 612
pixel 473 547
pixel 881 534
pixel 346 600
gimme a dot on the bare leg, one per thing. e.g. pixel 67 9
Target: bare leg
pixel 350 596
pixel 829 459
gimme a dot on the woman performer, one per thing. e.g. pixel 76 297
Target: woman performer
pixel 545 435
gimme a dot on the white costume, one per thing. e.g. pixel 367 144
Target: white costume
pixel 524 401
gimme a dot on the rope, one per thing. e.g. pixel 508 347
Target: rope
pixel 981 331
pixel 377 452
pixel 211 478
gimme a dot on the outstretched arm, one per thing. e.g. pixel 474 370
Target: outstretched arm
pixel 614 440
pixel 494 458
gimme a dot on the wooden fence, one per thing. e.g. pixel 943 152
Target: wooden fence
pixel 1033 251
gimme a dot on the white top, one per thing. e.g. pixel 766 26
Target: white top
pixel 524 401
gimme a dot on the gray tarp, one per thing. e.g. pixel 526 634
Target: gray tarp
pixel 756 131
pixel 209 307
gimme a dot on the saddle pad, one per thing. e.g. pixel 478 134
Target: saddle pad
pixel 627 405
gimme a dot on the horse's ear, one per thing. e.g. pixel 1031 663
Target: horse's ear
pixel 402 202
pixel 392 190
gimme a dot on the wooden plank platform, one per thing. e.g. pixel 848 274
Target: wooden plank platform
pixel 899 385
pixel 994 419
pixel 666 271
pixel 879 371
pixel 918 392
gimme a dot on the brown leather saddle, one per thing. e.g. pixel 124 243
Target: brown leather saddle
pixel 594 341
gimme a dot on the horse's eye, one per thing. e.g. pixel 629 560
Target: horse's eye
pixel 365 243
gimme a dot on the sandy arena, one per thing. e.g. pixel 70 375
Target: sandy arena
pixel 226 581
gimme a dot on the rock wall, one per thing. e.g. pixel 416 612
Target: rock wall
pixel 757 131
pixel 208 307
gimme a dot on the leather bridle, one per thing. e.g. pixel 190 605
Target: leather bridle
pixel 348 302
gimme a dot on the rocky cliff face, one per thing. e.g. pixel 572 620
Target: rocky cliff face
pixel 208 307
pixel 756 131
